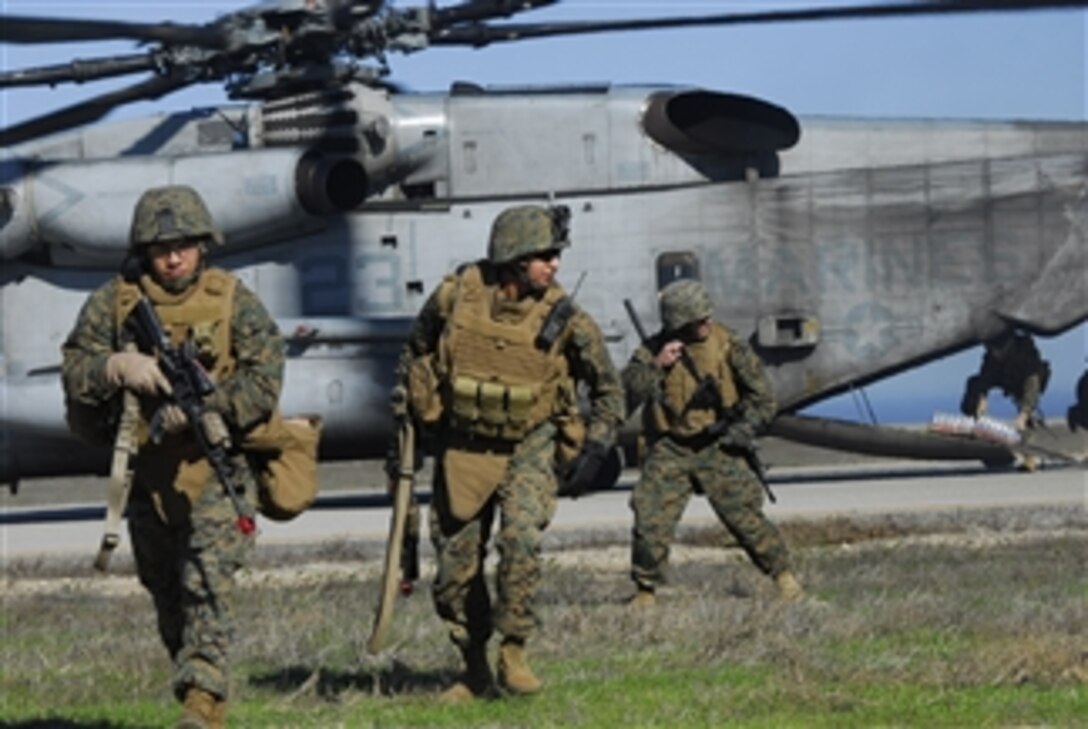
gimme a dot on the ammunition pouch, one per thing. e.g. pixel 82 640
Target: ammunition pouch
pixel 424 391
pixel 283 453
pixel 492 409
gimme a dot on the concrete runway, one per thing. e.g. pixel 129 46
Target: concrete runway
pixel 803 492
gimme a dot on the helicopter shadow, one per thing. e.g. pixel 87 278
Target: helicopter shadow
pixel 59 723
pixel 395 679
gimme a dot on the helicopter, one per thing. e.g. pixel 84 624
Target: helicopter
pixel 846 252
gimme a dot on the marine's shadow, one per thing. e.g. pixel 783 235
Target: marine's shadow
pixel 388 680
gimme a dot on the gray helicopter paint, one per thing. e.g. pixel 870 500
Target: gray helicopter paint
pixel 896 241
pixel 251 195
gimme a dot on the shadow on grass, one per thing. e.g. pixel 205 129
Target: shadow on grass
pixel 398 679
pixel 58 723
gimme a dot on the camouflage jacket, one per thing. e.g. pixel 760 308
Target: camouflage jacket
pixel 245 398
pixel 756 407
pixel 584 351
pixel 1020 372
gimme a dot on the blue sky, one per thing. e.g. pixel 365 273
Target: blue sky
pixel 991 66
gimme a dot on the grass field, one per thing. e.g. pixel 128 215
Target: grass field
pixel 960 619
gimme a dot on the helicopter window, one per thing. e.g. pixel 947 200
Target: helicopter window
pixel 676 265
pixel 215 133
pixel 389 241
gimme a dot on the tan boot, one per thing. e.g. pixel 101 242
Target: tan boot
pixel 644 598
pixel 198 711
pixel 514 671
pixel 789 589
pixel 476 682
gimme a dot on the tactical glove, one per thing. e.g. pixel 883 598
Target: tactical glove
pixel 739 436
pixel 583 472
pixel 174 419
pixel 215 428
pixel 138 372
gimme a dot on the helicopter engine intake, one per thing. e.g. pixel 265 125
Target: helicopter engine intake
pixel 255 197
pixel 353 150
pixel 328 185
pixel 697 123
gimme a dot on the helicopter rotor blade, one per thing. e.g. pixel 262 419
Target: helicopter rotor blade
pixel 476 10
pixel 95 108
pixel 480 34
pixel 26 29
pixel 79 70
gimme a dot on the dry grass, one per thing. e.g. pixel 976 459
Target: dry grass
pixel 964 606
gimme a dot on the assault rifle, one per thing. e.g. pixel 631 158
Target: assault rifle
pixel 190 384
pixel 707 395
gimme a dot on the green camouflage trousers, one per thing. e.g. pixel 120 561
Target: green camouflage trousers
pixel 189 568
pixel 526 502
pixel 671 474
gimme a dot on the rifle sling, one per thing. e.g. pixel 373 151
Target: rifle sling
pixel 124 447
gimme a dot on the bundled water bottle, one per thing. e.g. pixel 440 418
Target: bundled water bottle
pixel 952 424
pixel 987 428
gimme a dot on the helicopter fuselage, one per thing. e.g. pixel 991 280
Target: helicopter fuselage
pixel 861 249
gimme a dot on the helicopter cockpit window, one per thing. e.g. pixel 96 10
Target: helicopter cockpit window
pixel 675 266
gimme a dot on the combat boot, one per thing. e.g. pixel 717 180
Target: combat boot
pixel 789 589
pixel 198 711
pixel 476 682
pixel 514 671
pixel 1028 463
pixel 644 598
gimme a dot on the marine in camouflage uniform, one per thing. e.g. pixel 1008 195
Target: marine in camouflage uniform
pixel 185 539
pixel 687 450
pixel 1011 362
pixel 503 410
pixel 1077 414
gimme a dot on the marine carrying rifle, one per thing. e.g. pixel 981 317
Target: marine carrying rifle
pixel 190 384
pixel 707 394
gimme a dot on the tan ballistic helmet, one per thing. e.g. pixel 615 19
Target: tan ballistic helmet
pixel 527 229
pixel 684 301
pixel 171 213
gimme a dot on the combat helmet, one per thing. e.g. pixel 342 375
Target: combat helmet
pixel 526 229
pixel 171 213
pixel 682 302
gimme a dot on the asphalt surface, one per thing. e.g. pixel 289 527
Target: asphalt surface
pixel 353 506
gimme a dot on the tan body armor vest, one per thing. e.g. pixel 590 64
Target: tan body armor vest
pixel 498 383
pixel 711 357
pixel 201 313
